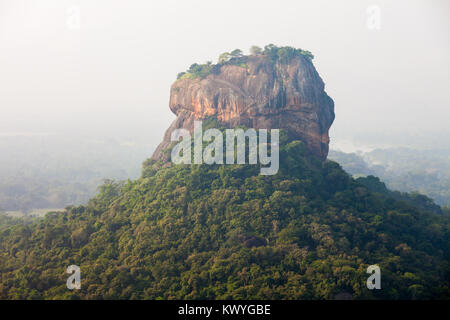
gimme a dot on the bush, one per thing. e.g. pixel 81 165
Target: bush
pixel 236 57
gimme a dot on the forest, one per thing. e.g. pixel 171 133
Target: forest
pixel 227 232
pixel 405 169
pixel 54 171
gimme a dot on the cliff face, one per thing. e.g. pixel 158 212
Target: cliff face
pixel 261 95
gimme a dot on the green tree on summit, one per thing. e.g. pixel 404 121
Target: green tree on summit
pixel 236 53
pixel 224 57
pixel 255 50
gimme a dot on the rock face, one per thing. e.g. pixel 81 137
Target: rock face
pixel 259 94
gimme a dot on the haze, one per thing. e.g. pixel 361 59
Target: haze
pixel 108 74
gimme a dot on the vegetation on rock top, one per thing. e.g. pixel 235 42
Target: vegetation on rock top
pixel 236 57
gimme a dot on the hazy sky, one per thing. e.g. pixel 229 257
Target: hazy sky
pixel 106 66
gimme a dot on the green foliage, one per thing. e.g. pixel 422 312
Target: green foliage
pixel 285 54
pixel 197 71
pixel 227 232
pixel 237 58
pixel 236 53
pixel 7 221
pixel 406 170
pixel 415 199
pixel 255 50
pixel 224 58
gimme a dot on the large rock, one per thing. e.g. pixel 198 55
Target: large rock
pixel 260 95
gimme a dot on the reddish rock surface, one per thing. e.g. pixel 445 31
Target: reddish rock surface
pixel 262 95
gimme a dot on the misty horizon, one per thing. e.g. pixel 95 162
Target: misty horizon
pixel 231 153
pixel 109 71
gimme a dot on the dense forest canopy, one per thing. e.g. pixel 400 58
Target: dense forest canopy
pixel 227 232
pixel 408 170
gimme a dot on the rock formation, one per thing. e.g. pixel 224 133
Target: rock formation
pixel 259 93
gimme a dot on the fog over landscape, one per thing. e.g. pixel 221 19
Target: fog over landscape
pixel 89 71
pixel 225 158
pixel 107 71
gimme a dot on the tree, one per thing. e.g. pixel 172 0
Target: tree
pixel 285 54
pixel 236 53
pixel 254 50
pixel 224 57
pixel 269 48
pixel 194 68
pixel 308 54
